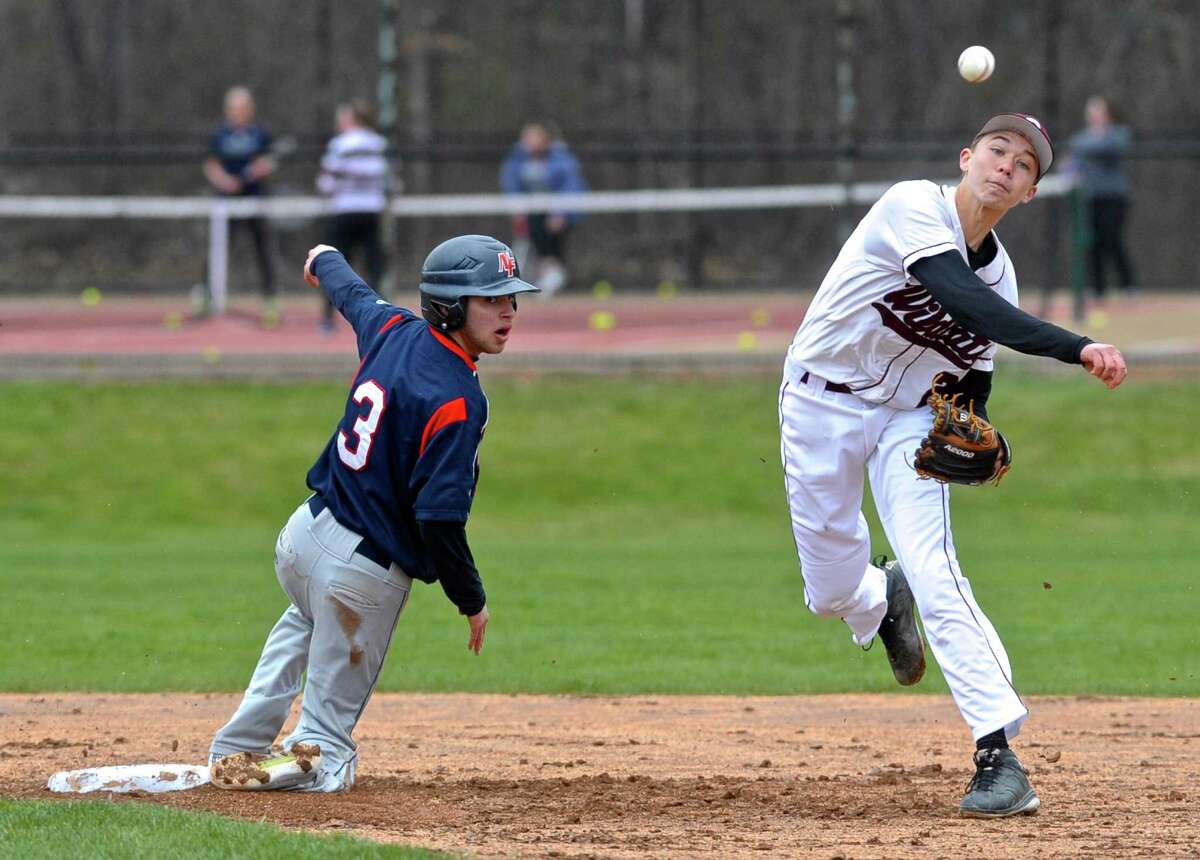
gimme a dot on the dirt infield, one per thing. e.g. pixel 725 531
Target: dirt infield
pixel 542 776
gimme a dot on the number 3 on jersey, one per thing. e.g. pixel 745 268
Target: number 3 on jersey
pixel 364 426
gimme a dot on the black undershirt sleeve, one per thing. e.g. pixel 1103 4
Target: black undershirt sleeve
pixel 974 389
pixel 984 312
pixel 451 560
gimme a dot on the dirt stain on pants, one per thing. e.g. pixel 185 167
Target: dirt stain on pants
pixel 349 621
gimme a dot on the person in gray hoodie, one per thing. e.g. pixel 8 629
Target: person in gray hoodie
pixel 1098 154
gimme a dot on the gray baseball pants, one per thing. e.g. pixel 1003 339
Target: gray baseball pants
pixel 344 608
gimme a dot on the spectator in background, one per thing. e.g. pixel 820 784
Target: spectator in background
pixel 238 164
pixel 354 174
pixel 540 162
pixel 1098 160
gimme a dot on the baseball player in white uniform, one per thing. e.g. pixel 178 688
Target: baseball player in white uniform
pixel 922 287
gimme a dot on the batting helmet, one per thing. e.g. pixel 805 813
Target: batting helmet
pixel 467 266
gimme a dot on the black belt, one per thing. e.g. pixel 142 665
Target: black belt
pixel 829 386
pixel 366 547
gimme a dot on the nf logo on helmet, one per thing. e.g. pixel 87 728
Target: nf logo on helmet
pixel 508 263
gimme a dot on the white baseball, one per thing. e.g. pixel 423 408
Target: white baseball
pixel 976 64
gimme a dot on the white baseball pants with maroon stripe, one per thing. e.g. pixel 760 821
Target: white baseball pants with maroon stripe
pixel 829 440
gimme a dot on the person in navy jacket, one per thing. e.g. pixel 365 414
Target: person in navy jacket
pixel 238 164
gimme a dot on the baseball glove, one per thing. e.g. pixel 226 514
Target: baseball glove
pixel 961 447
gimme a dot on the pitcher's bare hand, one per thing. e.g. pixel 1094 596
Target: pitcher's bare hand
pixel 1105 362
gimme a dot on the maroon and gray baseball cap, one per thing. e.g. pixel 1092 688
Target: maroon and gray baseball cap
pixel 1030 128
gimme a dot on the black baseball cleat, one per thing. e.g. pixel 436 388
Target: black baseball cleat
pixel 999 788
pixel 898 630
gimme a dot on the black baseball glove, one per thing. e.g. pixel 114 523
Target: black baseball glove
pixel 961 447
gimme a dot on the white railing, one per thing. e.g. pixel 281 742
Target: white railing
pixel 219 211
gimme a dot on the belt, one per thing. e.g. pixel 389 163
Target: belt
pixel 829 386
pixel 366 547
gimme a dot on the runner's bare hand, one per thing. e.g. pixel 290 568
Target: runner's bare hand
pixel 478 623
pixel 309 277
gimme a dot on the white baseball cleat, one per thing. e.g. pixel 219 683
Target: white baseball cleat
pixel 248 771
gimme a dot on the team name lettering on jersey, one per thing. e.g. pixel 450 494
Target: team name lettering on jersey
pixel 875 329
pixel 916 316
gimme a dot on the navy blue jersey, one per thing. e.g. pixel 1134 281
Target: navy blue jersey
pixel 407 446
pixel 235 148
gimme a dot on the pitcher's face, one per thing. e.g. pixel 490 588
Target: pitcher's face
pixel 1001 170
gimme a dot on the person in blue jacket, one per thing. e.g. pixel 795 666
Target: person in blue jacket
pixel 541 163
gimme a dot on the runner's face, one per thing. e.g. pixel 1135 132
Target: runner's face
pixel 1001 170
pixel 489 323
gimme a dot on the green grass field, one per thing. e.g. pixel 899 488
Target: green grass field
pixel 49 830
pixel 633 536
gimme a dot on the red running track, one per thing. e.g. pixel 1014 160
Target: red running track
pixel 709 324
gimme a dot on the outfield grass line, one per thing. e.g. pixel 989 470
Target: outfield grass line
pixel 633 536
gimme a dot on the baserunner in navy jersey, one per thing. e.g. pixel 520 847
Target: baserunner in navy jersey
pixel 392 492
